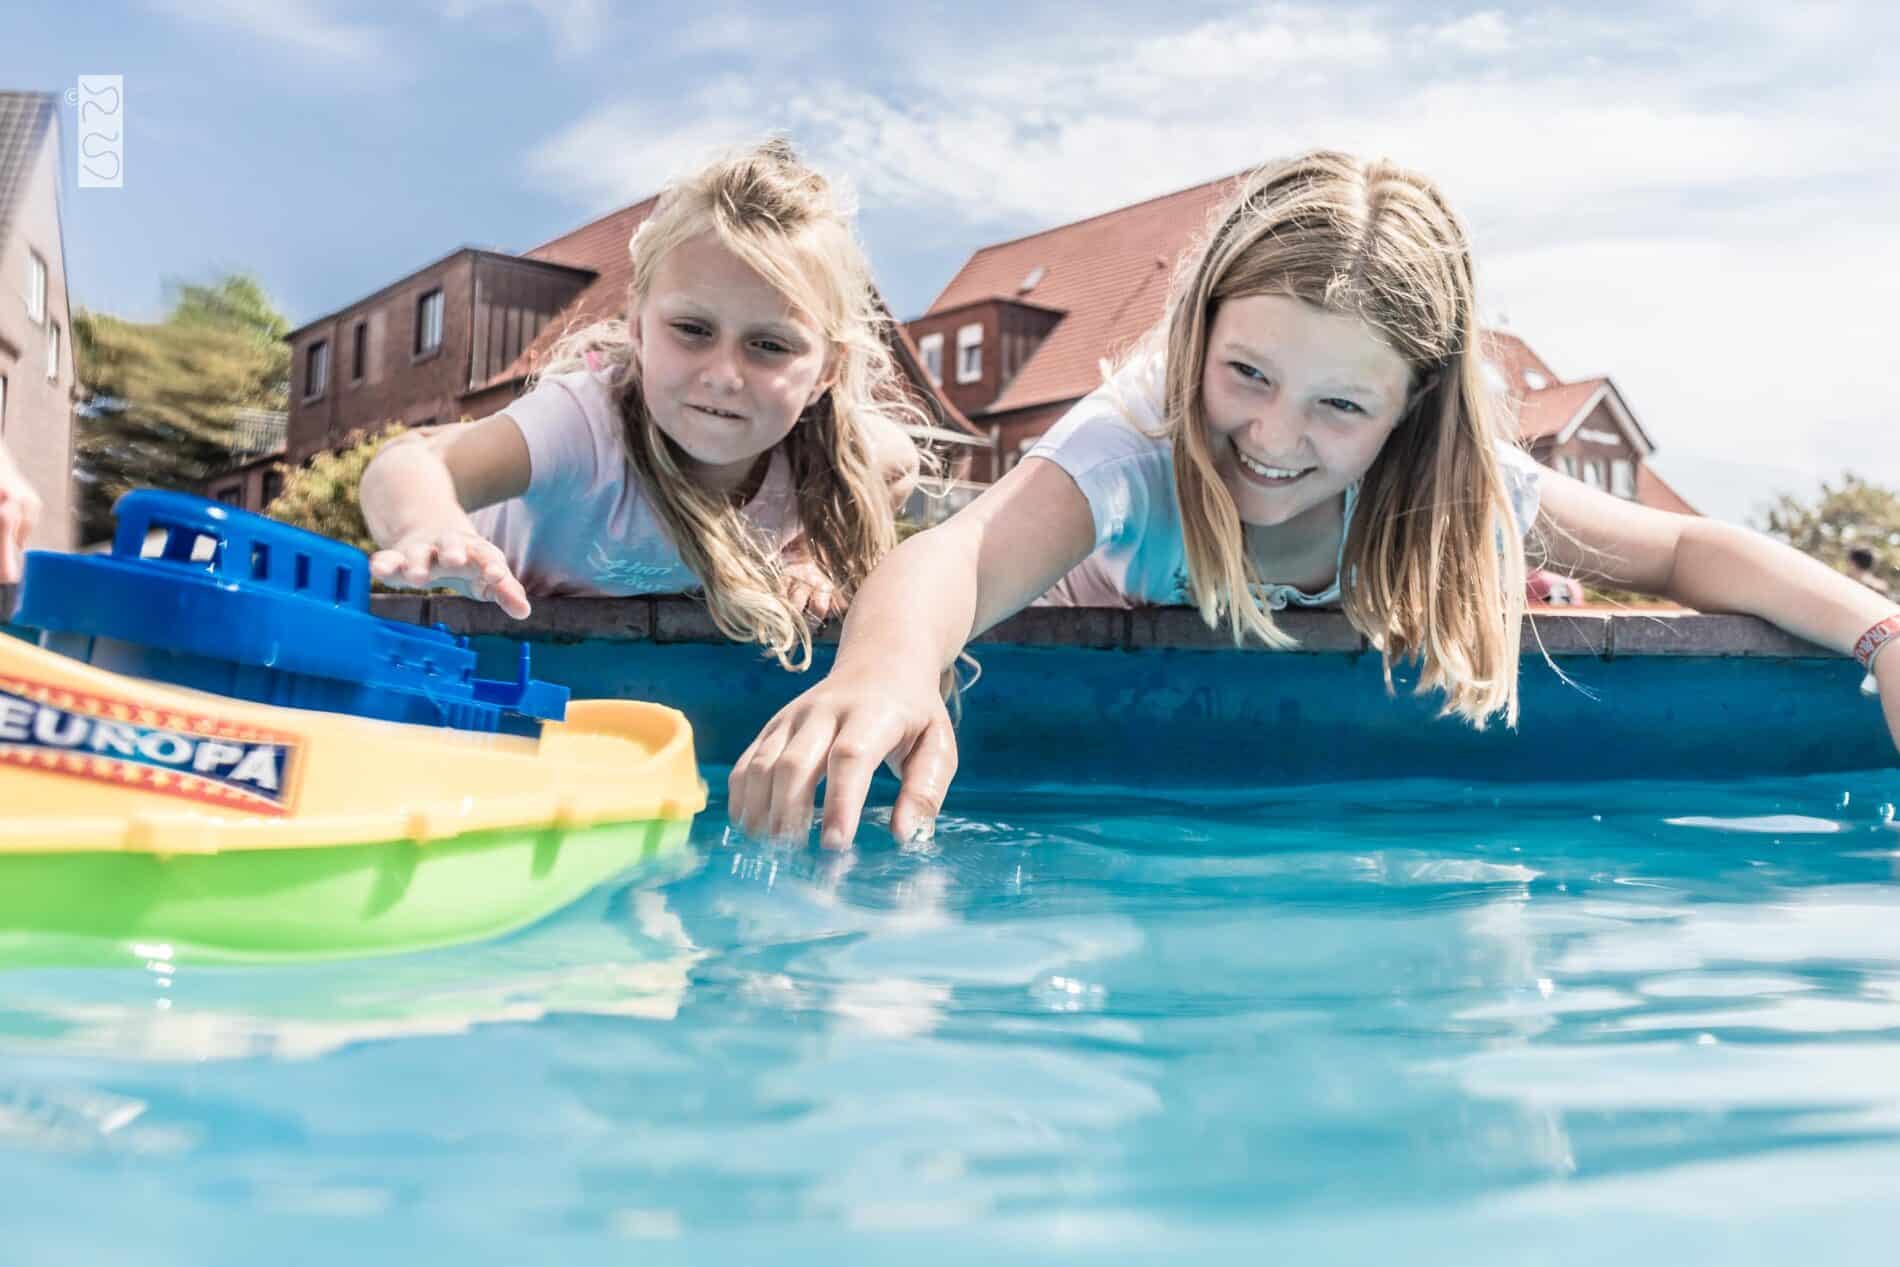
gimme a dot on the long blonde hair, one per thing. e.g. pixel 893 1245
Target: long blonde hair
pixel 1433 568
pixel 783 219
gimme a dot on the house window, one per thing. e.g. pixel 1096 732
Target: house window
pixel 1567 465
pixel 1623 478
pixel 52 352
pixel 273 487
pixel 230 494
pixel 930 347
pixel 1593 473
pixel 969 353
pixel 359 351
pixel 35 287
pixel 316 369
pixel 429 322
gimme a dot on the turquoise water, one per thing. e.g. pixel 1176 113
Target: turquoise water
pixel 1398 1022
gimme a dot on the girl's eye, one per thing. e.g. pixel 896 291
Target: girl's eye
pixel 772 347
pixel 1342 405
pixel 692 329
pixel 1248 372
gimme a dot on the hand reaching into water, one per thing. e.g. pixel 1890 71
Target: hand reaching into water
pixel 458 556
pixel 838 732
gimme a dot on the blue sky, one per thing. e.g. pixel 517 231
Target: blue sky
pixel 1697 201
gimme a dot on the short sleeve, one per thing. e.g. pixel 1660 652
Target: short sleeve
pixel 563 448
pixel 1110 445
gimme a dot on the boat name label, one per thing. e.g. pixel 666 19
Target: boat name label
pixel 154 749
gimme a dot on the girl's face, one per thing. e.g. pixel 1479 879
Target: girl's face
pixel 727 364
pixel 1298 402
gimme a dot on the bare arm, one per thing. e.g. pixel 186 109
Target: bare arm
pixel 417 494
pixel 1713 566
pixel 911 620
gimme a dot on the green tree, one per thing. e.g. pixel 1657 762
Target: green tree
pixel 1848 513
pixel 161 398
pixel 322 496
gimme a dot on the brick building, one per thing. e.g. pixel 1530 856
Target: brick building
pixel 36 357
pixel 1020 333
pixel 460 338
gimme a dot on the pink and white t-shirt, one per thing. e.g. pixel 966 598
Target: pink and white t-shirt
pixel 583 526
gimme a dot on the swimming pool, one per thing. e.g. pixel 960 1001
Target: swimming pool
pixel 1215 953
pixel 1656 1020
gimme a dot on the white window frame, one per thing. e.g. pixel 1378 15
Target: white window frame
pixel 314 385
pixel 35 287
pixel 1567 465
pixel 970 352
pixel 429 309
pixel 930 351
pixel 1623 478
pixel 1593 473
pixel 52 351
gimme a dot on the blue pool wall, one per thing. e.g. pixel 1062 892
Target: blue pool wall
pixel 1153 696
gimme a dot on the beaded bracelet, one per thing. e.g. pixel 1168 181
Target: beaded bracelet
pixel 1869 645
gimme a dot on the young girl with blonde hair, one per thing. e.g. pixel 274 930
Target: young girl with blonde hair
pixel 1310 425
pixel 741 430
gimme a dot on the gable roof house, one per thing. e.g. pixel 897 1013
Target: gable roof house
pixel 36 357
pixel 460 338
pixel 1020 334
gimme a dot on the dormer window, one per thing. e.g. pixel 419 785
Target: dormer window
pixel 1623 478
pixel 970 352
pixel 930 348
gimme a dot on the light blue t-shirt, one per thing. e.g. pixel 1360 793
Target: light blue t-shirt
pixel 1114 445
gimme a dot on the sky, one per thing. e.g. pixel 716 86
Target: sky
pixel 1697 199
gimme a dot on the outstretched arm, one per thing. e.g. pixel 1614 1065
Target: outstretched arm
pixel 417 494
pixel 881 701
pixel 1716 567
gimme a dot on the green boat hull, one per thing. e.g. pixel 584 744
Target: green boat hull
pixel 288 905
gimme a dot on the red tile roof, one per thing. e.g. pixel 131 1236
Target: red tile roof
pixel 1548 412
pixel 1523 370
pixel 1109 274
pixel 1652 491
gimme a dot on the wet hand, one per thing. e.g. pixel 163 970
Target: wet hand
pixel 456 556
pixel 20 509
pixel 837 733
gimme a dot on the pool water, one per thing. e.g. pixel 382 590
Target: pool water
pixel 1371 1022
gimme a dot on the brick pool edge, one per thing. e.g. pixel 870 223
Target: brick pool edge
pixel 677 619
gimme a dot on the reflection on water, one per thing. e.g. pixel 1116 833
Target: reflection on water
pixel 1103 1023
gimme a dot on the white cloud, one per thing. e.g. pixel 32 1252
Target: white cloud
pixel 574 25
pixel 625 151
pixel 302 27
pixel 1483 32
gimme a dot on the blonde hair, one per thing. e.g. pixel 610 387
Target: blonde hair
pixel 1433 567
pixel 783 220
